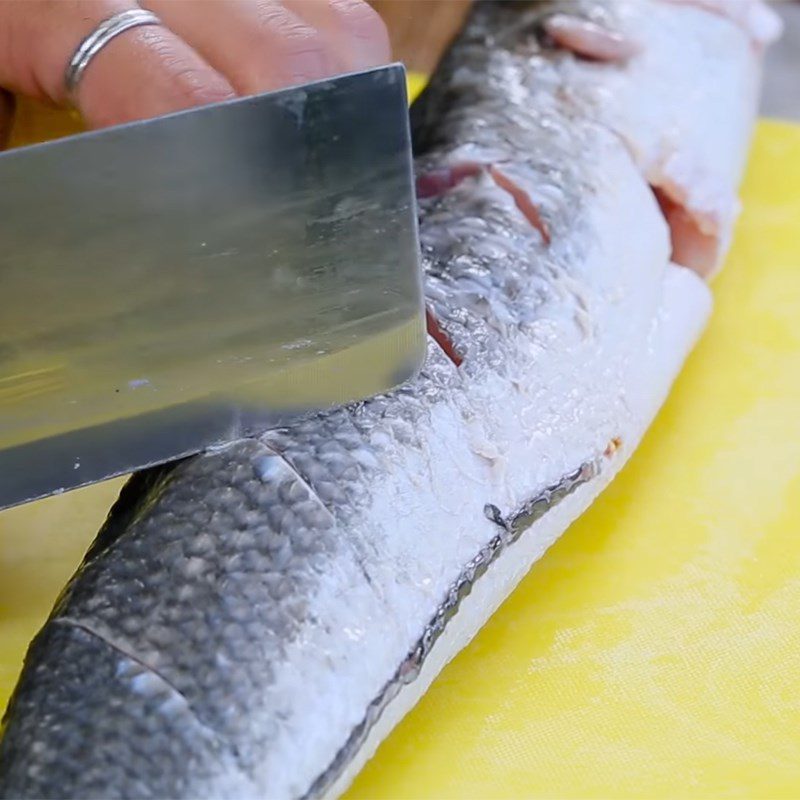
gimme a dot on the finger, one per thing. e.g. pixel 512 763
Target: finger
pixel 143 72
pixel 354 30
pixel 257 44
pixel 6 117
pixel 149 73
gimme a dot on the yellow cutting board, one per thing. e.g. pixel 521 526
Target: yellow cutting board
pixel 655 650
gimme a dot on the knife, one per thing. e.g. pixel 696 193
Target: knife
pixel 172 284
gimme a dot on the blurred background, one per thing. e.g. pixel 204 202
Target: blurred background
pixel 781 97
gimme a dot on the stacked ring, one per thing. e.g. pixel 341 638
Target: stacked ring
pixel 104 32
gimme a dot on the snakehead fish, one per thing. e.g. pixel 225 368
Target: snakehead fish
pixel 253 621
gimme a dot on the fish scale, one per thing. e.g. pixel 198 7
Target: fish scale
pixel 293 594
pixel 174 735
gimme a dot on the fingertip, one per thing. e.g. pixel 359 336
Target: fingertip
pixel 288 50
pixel 184 78
pixel 147 74
pixel 369 37
pixel 306 59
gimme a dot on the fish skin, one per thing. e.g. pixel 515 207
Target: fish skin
pixel 241 611
pixel 693 68
pixel 688 159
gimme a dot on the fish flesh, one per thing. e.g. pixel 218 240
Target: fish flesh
pixel 253 621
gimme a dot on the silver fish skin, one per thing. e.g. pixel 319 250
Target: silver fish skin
pixel 253 621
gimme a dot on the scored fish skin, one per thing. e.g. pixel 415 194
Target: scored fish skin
pixel 251 622
pixel 669 118
pixel 692 68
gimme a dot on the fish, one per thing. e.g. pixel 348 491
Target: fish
pixel 253 621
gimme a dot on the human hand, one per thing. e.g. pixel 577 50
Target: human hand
pixel 203 51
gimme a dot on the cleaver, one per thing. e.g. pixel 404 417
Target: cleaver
pixel 172 284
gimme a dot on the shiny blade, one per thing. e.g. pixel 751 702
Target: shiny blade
pixel 171 284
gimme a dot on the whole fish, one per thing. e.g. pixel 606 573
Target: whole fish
pixel 253 621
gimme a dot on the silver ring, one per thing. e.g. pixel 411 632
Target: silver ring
pixel 99 38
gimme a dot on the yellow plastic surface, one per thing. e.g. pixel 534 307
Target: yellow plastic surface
pixel 655 650
pixel 416 83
